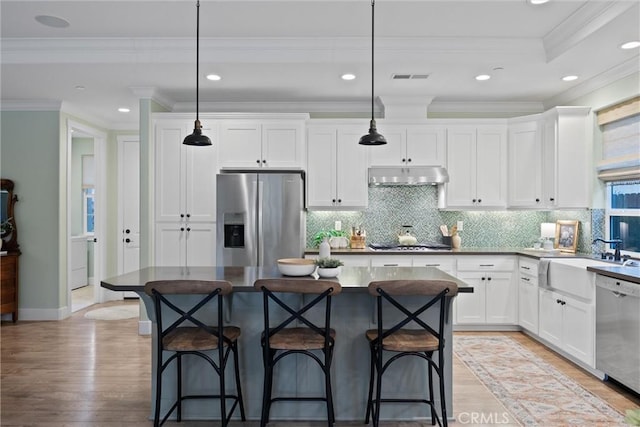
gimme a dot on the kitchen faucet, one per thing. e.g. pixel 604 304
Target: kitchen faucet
pixel 615 244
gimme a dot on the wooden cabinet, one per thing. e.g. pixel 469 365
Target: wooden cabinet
pixel 494 298
pixel 567 323
pixel 410 145
pixel 528 295
pixel 476 162
pixel 550 160
pixel 260 143
pixel 9 284
pixel 336 168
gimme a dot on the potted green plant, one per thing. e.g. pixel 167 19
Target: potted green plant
pixel 328 267
pixel 327 234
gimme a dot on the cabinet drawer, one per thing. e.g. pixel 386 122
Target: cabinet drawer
pixel 391 261
pixel 444 263
pixel 528 267
pixel 475 263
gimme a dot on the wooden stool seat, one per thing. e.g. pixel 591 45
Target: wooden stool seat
pixel 196 339
pixel 298 339
pixel 406 340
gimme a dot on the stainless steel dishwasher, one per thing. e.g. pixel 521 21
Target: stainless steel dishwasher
pixel 618 330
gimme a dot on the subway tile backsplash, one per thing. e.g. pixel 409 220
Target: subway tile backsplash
pixel 392 207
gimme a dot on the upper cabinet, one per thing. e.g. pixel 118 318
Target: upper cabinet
pixel 336 167
pixel 550 160
pixel 262 143
pixel 185 176
pixel 410 145
pixel 476 162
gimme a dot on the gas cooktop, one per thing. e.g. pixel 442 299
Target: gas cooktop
pixel 419 247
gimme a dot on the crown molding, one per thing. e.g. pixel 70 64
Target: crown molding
pixel 588 19
pixel 486 107
pixel 276 106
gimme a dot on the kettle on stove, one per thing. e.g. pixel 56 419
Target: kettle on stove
pixel 405 237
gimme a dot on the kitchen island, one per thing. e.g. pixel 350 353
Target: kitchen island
pixel 353 312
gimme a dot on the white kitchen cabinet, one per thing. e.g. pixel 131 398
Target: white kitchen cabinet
pixel 567 323
pixel 442 262
pixel 477 165
pixel 185 244
pixel 255 143
pixel 494 298
pixel 185 176
pixel 410 145
pixel 528 295
pixel 550 161
pixel 391 261
pixel 336 168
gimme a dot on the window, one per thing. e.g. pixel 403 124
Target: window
pixel 88 209
pixel 622 215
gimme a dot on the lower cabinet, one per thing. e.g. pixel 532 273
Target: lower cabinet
pixel 180 244
pixel 528 295
pixel 391 261
pixel 568 324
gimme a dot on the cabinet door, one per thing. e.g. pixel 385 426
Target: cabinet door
pixel 461 165
pixel 426 146
pixel 528 304
pixel 549 162
pixel 200 181
pixel 351 170
pixel 578 330
pixel 240 144
pixel 491 164
pixel 525 165
pixel 393 153
pixel 169 244
pixel 200 241
pixel 550 317
pixel 283 144
pixel 502 301
pixel 321 167
pixel 169 170
pixel 470 308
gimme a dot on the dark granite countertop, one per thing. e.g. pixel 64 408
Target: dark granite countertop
pixel 630 274
pixel 529 252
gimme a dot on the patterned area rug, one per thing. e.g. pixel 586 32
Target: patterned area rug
pixel 114 312
pixel 533 391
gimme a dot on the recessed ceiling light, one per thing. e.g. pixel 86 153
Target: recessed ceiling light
pixel 124 110
pixel 348 76
pixel 483 77
pixel 570 78
pixel 213 77
pixel 52 21
pixel 80 87
pixel 536 2
pixel 630 45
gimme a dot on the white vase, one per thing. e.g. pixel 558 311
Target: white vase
pixel 328 272
pixel 456 241
pixel 325 249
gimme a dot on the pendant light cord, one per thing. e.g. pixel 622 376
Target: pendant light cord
pixel 373 2
pixel 197 59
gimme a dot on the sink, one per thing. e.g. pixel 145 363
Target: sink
pixel 570 275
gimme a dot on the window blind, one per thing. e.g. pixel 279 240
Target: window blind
pixel 620 142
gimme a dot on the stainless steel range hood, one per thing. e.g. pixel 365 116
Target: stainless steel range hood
pixel 413 175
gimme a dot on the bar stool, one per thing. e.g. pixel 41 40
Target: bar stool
pixel 421 341
pixel 188 335
pixel 279 341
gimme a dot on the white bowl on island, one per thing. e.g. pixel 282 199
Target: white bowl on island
pixel 296 266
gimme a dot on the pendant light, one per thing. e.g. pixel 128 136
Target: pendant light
pixel 197 138
pixel 373 137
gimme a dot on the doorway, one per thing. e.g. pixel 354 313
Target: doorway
pixel 86 190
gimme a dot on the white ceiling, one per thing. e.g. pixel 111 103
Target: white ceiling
pixel 289 55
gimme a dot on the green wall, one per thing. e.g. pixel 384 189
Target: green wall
pixel 30 156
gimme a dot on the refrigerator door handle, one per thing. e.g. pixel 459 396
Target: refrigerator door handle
pixel 259 241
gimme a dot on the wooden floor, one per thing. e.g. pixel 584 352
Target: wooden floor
pixel 80 372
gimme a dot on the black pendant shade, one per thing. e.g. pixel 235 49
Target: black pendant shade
pixel 373 137
pixel 197 138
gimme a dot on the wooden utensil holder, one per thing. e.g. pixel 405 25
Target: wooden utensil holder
pixel 358 242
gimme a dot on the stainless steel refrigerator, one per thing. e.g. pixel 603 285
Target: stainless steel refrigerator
pixel 260 217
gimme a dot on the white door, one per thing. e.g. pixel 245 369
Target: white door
pixel 321 167
pixel 351 169
pixel 461 165
pixel 491 167
pixel 426 145
pixel 578 329
pixel 129 194
pixel 550 318
pixel 283 144
pixel 525 165
pixel 240 144
pixel 393 153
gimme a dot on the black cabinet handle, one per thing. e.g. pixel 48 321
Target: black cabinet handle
pixel 526 279
pixel 339 200
pixel 264 161
pixel 479 200
pixel 127 231
pixel 258 161
pixel 558 301
pixel 181 228
pixel 404 160
pixel 409 160
pixel 127 240
pixel 333 200
pixel 188 228
pixel 551 199
pixel 489 278
pixel 482 278
pixel 188 215
pixel 537 200
pixel 181 215
pixel 473 200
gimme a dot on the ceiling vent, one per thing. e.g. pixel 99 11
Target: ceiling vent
pixel 409 76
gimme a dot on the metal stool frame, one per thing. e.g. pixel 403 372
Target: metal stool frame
pixel 324 291
pixel 188 324
pixel 384 291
